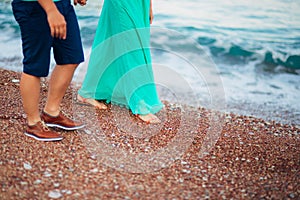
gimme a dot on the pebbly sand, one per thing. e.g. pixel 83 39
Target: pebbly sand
pixel 246 158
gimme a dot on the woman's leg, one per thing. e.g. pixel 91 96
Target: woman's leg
pixel 149 118
pixel 92 102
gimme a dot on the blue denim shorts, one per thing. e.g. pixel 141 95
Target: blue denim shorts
pixel 37 40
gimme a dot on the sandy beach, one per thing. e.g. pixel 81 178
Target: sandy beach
pixel 246 158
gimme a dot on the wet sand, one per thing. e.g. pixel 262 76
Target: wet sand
pixel 202 154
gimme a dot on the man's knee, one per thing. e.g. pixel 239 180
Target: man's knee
pixel 70 66
pixel 74 65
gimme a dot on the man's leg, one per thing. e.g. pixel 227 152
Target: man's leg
pixel 66 51
pixel 30 92
pixel 59 82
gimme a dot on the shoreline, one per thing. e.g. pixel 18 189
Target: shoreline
pixel 250 159
pixel 268 112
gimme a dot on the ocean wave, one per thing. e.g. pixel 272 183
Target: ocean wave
pixel 237 53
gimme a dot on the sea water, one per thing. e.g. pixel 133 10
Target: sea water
pixel 253 46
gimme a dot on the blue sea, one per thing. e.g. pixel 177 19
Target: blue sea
pixel 252 48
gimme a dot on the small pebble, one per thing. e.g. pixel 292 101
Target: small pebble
pixel 183 162
pixel 94 170
pixel 68 192
pixel 27 166
pixel 36 182
pixel 93 157
pixel 47 174
pixel 186 171
pixel 15 80
pixel 292 195
pixel 54 194
pixel 24 183
pixel 56 185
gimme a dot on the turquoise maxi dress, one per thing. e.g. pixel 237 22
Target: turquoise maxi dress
pixel 120 69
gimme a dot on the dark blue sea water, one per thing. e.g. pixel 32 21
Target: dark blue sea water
pixel 253 45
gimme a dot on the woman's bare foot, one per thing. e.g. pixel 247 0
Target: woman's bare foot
pixel 92 102
pixel 149 118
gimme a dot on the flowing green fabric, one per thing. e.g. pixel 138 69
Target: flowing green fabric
pixel 120 69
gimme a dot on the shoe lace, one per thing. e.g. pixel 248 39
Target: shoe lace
pixel 66 115
pixel 44 126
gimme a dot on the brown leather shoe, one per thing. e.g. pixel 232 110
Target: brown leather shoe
pixel 61 121
pixel 41 132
